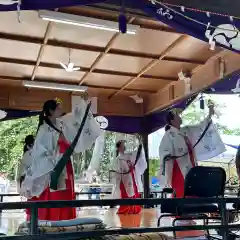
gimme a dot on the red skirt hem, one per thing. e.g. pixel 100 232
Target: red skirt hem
pixel 133 209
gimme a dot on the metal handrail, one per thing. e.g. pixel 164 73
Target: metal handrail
pixel 33 206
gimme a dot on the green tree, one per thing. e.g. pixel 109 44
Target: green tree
pixel 12 135
pixel 193 115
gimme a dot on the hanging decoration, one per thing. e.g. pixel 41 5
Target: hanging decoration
pixel 237 88
pixel 122 20
pixel 137 99
pixel 202 103
pixel 216 29
pixel 186 77
pixel 12 2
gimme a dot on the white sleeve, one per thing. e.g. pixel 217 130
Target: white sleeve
pixel 166 148
pixel 71 123
pixel 20 169
pixel 211 144
pixel 44 151
pixel 43 161
pixel 24 164
pixel 141 165
pixel 192 130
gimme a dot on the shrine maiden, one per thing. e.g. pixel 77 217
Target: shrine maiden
pixel 179 141
pixel 126 176
pixel 25 162
pixel 24 167
pixel 54 136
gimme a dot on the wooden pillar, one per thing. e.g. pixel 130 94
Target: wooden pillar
pixel 146 183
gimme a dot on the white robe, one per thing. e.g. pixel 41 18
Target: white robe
pixel 23 167
pixel 120 165
pixel 45 152
pixel 173 143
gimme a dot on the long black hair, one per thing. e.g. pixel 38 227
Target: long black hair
pixel 28 143
pixel 44 115
pixel 170 116
pixel 118 145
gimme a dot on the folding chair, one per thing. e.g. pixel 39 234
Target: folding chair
pixel 200 182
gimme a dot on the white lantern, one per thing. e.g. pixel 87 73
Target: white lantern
pixel 3 114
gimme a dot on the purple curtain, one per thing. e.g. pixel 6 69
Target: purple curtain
pixel 47 4
pixel 223 30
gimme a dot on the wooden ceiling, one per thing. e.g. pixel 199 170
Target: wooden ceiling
pixel 112 65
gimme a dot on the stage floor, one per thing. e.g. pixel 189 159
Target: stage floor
pixel 148 218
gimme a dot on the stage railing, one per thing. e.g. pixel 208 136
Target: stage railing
pixel 34 206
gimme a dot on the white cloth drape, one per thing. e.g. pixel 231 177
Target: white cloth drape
pixel 45 152
pixel 173 143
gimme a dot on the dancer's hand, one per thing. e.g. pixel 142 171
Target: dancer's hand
pixel 211 108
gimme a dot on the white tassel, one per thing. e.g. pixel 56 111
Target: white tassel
pixel 237 88
pixel 221 68
pixel 212 44
pixel 137 99
pixel 187 82
pixel 19 10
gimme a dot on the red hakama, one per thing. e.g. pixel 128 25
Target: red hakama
pixel 177 176
pixel 56 214
pixel 130 209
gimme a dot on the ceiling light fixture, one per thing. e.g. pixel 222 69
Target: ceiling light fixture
pixel 55 86
pixel 81 21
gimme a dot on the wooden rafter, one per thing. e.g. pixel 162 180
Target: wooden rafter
pixel 9 80
pixel 206 75
pixel 150 65
pixel 103 54
pixel 97 49
pixel 41 50
pixel 82 69
pixel 99 58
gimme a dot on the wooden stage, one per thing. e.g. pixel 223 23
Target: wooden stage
pixel 148 218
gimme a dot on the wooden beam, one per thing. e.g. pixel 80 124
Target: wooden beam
pixel 150 65
pixel 202 78
pixel 84 47
pixel 82 69
pixel 230 8
pixel 33 99
pixel 103 54
pixel 41 51
pixel 17 81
